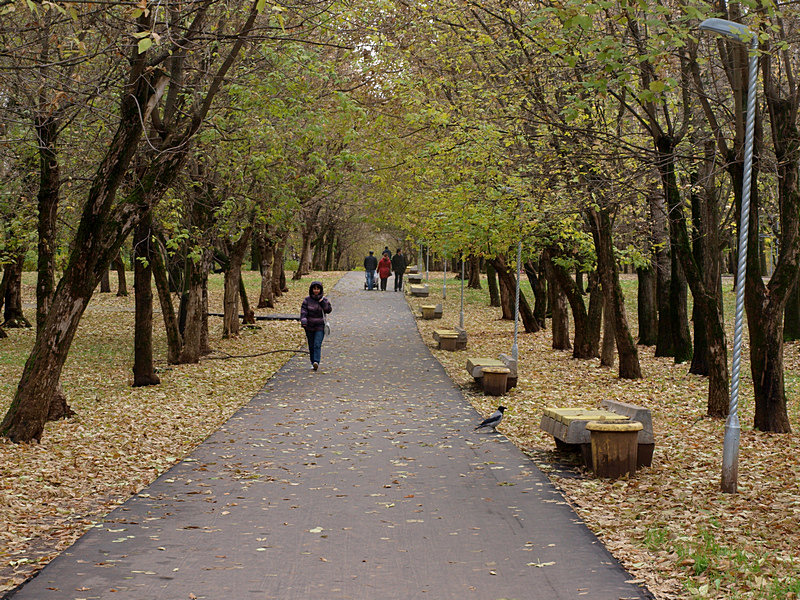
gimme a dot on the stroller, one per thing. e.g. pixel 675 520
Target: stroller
pixel 374 282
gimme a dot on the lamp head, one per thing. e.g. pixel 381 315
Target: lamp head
pixel 730 29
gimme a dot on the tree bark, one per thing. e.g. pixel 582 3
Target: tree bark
pixel 105 282
pixel 663 269
pixel 174 339
pixel 609 335
pixel 679 312
pixel 143 371
pixel 13 316
pixel 122 284
pixel 266 253
pixel 509 281
pixel 647 306
pixel 791 316
pixel 491 282
pixel 539 293
pixel 629 367
pixel 249 316
pixel 474 281
pixel 47 202
pixel 233 275
pixel 582 343
pixel 104 225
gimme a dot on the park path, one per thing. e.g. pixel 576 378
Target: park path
pixel 363 480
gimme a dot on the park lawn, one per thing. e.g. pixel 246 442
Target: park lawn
pixel 669 525
pixel 122 437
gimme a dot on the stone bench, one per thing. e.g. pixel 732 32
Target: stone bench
pixel 420 291
pixel 476 365
pixel 431 311
pixel 450 339
pixel 414 278
pixel 568 427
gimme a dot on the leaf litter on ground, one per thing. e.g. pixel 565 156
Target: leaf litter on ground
pixel 123 438
pixel 670 525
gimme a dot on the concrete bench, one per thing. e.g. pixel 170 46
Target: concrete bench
pixel 568 427
pixel 420 291
pixel 459 335
pixel 476 365
pixel 431 311
pixel 414 278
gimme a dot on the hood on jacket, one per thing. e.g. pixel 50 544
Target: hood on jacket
pixel 314 283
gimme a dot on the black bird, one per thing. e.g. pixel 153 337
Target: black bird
pixel 493 420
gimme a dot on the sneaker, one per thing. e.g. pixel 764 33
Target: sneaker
pixel 315 365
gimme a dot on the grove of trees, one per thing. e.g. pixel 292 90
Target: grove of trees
pixel 192 135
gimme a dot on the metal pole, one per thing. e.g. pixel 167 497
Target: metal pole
pixel 461 317
pixel 427 261
pixel 514 346
pixel 730 445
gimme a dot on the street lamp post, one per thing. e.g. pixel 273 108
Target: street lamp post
pixel 514 346
pixel 730 447
pixel 461 315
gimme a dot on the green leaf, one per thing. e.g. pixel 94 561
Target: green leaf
pixel 144 44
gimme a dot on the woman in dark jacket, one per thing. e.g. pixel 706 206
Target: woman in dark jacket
pixel 312 319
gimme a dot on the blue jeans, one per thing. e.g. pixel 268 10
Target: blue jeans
pixel 370 279
pixel 315 344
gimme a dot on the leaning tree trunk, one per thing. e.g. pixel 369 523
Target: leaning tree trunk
pixel 539 293
pixel 629 367
pixel 103 227
pixel 647 306
pixel 174 339
pixel 249 316
pixel 13 316
pixel 143 371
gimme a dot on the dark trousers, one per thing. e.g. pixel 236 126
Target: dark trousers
pixel 383 283
pixel 315 345
pixel 398 282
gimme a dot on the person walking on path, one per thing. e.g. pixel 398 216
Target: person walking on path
pixel 370 264
pixel 384 270
pixel 312 319
pixel 399 268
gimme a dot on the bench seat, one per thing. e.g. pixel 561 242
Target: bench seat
pixel 420 291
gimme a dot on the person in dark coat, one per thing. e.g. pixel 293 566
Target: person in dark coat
pixel 384 270
pixel 370 264
pixel 399 268
pixel 312 319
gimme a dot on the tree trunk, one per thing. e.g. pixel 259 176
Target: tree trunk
pixel 647 306
pixel 560 325
pixel 596 312
pixel 491 282
pixel 174 339
pixel 791 316
pixel 629 367
pixel 609 335
pixel 143 371
pixel 103 227
pixel 233 275
pixel 702 280
pixel 508 281
pixel 539 293
pixel 47 202
pixel 278 274
pixel 679 313
pixel 474 281
pixel 122 284
pixel 249 317
pixel 105 283
pixel 582 347
pixel 663 269
pixel 266 252
pixel 12 311
pixel 304 263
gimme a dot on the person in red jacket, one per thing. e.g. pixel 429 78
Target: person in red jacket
pixel 384 270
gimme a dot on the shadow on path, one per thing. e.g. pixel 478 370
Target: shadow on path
pixel 363 480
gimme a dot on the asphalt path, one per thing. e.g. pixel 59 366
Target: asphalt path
pixel 363 480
